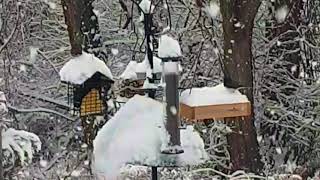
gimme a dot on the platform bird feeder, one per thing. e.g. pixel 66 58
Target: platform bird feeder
pixel 216 103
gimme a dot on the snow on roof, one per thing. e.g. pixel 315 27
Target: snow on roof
pixel 212 96
pixel 135 135
pixel 81 68
pixel 145 6
pixel 144 67
pixel 168 47
pixel 3 100
pixel 130 71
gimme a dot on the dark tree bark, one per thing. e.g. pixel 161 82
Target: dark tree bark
pixel 72 13
pixel 238 21
pixel 83 26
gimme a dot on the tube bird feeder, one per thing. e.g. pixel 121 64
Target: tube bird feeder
pixel 171 105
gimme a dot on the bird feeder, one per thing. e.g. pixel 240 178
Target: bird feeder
pixel 90 97
pixel 89 80
pixel 214 103
pixel 171 107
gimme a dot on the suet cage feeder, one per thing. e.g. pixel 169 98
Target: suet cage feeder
pixel 90 98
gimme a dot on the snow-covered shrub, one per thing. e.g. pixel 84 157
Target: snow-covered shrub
pixel 19 145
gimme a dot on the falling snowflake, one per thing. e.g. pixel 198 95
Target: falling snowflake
pixel 212 9
pixel 281 14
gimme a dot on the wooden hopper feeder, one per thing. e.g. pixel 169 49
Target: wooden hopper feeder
pixel 215 111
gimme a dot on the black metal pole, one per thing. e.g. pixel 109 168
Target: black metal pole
pixel 154 173
pixel 148 33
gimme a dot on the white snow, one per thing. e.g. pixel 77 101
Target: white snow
pixel 281 14
pixel 146 6
pixel 20 143
pixel 171 67
pixel 136 134
pixel 212 96
pixel 81 68
pixel 3 100
pixel 114 51
pixel 168 47
pixel 33 53
pixel 212 9
pixel 144 67
pixel 148 85
pixel 130 71
pixel 52 5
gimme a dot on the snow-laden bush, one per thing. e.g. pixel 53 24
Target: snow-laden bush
pixel 19 145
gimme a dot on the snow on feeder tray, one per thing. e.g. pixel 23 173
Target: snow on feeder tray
pixel 215 103
pixel 89 80
pixel 135 76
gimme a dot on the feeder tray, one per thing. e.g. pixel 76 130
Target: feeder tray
pixel 216 112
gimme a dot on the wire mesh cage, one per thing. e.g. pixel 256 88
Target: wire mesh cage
pixel 90 98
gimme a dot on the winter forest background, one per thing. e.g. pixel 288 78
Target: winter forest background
pixel 34 45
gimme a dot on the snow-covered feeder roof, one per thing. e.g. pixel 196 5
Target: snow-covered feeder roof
pixel 212 96
pixel 169 47
pixel 134 68
pixel 136 134
pixel 79 69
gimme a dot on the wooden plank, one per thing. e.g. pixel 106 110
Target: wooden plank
pixel 186 112
pixel 215 111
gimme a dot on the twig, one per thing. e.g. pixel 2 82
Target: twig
pixel 44 110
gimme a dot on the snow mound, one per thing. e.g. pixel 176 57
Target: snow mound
pixel 81 68
pixel 212 96
pixel 135 136
pixel 168 47
pixel 146 6
pixel 144 67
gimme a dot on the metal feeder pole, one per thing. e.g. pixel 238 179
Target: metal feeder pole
pixel 148 33
pixel 151 93
pixel 171 78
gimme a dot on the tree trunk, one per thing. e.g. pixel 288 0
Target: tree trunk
pixel 72 13
pixel 238 21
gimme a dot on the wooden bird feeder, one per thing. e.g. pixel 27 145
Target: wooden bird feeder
pixel 198 112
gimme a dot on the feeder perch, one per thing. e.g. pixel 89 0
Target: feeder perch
pixel 221 103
